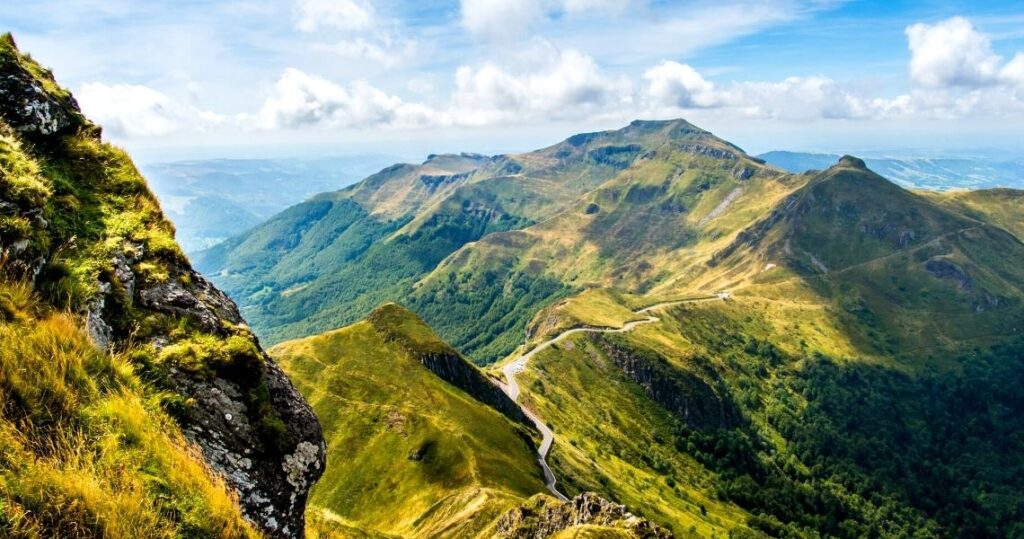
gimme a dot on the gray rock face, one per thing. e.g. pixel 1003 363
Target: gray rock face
pixel 251 424
pixel 272 478
pixel 685 395
pixel 456 371
pixel 944 269
pixel 543 516
pixel 28 108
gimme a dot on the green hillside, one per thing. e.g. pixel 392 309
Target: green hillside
pixel 406 233
pixel 134 402
pixel 756 416
pixel 400 437
pixel 829 394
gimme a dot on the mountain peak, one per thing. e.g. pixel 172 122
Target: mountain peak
pixel 850 161
pixel 31 101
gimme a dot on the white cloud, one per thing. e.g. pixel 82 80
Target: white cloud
pixel 954 74
pixel 500 18
pixel 139 111
pixel 672 84
pixel 569 85
pixel 303 100
pixel 608 6
pixel 951 53
pixel 1013 72
pixel 351 15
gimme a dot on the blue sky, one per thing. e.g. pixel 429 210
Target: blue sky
pixel 243 77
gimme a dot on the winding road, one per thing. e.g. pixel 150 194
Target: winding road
pixel 518 365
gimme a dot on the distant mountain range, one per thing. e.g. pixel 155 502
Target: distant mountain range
pixel 823 354
pixel 936 173
pixel 211 200
pixel 671 338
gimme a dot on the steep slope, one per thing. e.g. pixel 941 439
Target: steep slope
pixel 908 276
pixel 372 242
pixel 864 355
pixel 401 436
pixel 95 434
pixel 823 441
pixel 419 445
pixel 657 186
pixel 642 229
pixel 1001 207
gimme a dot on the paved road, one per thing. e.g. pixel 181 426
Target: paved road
pixel 518 365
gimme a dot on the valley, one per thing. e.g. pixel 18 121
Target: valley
pixel 636 333
pixel 676 335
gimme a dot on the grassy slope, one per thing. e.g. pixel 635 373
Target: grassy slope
pixel 613 440
pixel 1003 207
pixel 86 448
pixel 331 260
pixel 401 438
pixel 863 247
pixel 809 457
pixel 369 243
pixel 639 232
pixel 877 313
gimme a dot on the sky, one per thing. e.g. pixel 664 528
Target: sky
pixel 244 78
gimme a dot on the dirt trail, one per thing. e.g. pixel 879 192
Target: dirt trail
pixel 518 365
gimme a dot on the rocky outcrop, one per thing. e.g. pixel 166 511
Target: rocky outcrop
pixel 441 359
pixel 685 395
pixel 942 268
pixel 455 370
pixel 251 424
pixel 28 106
pixel 543 516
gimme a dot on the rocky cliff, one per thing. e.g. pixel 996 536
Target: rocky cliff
pixel 78 222
pixel 688 396
pixel 543 516
pixel 443 360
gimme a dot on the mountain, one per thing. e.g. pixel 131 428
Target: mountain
pixel 418 444
pixel 333 259
pixel 135 400
pixel 212 200
pixel 935 173
pixel 718 345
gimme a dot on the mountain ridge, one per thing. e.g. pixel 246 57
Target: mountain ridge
pixel 190 426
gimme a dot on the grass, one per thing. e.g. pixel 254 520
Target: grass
pixel 400 437
pixel 613 440
pixel 595 307
pixel 85 448
pixel 87 445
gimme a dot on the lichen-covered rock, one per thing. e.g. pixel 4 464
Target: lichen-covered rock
pixel 28 106
pixel 543 516
pixel 109 255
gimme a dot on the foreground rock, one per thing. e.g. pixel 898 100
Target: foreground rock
pixel 80 224
pixel 543 516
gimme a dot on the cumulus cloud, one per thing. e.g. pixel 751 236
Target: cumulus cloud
pixel 954 74
pixel 303 100
pixel 352 15
pixel 672 84
pixel 500 18
pixel 569 85
pixel 132 110
pixel 674 87
pixel 951 53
